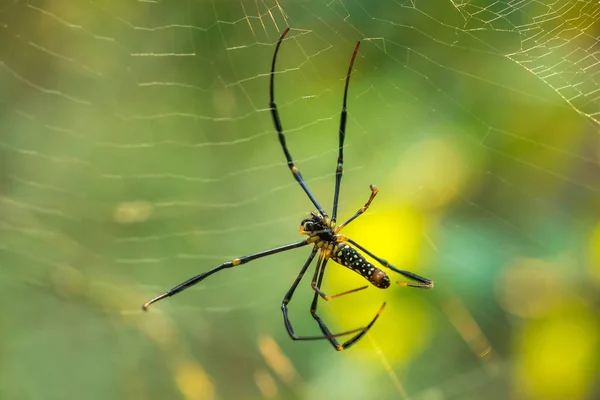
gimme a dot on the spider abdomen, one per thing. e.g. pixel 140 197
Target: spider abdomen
pixel 352 259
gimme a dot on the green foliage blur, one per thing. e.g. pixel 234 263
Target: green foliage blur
pixel 137 150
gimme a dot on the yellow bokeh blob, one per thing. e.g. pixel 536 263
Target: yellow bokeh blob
pixel 430 173
pixel 193 382
pixel 394 232
pixel 517 295
pixel 558 356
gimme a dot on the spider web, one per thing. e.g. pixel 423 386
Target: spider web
pixel 138 150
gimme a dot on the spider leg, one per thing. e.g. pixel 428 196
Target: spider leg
pixel 316 285
pixel 340 162
pixel 424 283
pixel 234 263
pixel 279 129
pixel 288 298
pixel 336 345
pixel 364 208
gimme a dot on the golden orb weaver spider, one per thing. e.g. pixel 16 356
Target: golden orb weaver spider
pixel 323 234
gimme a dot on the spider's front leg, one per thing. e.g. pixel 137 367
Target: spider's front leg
pixel 339 170
pixel 279 128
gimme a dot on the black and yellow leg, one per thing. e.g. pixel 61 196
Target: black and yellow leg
pixel 288 298
pixel 313 310
pixel 234 263
pixel 364 208
pixel 316 285
pixel 279 129
pixel 424 283
pixel 339 170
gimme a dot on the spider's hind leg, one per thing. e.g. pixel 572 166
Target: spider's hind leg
pixel 316 285
pixel 422 282
pixel 332 338
pixel 288 297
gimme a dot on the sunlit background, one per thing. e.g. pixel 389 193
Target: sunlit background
pixel 137 150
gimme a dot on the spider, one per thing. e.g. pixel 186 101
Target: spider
pixel 324 236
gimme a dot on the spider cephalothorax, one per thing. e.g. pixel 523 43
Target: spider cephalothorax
pixel 323 234
pixel 319 229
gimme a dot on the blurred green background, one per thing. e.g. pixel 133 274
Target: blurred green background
pixel 137 150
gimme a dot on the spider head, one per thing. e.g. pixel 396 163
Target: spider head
pixel 316 225
pixel 313 223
